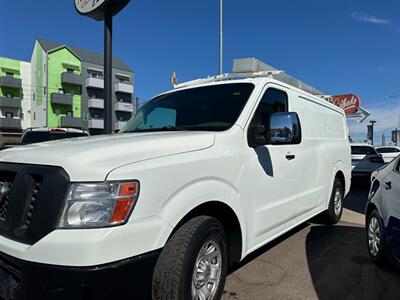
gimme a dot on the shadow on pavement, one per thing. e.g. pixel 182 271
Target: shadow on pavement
pixel 340 266
pixel 357 199
pixel 254 255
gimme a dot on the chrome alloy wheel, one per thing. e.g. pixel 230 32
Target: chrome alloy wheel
pixel 207 272
pixel 374 236
pixel 338 202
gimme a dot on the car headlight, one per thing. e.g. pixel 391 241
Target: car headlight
pixel 94 205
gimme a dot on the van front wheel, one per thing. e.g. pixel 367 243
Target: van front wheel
pixel 193 263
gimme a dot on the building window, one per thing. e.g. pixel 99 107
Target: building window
pixel 61 91
pixel 57 112
pixel 33 96
pixel 9 74
pixel 44 90
pixel 69 114
pixel 69 70
pixel 9 95
pixel 96 116
pixel 9 115
pixel 34 116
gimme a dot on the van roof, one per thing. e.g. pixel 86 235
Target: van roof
pixel 254 68
pixel 255 78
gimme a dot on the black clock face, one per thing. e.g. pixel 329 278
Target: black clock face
pixel 86 6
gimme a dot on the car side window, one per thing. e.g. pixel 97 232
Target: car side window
pixel 398 166
pixel 273 101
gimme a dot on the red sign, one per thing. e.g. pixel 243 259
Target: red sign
pixel 349 103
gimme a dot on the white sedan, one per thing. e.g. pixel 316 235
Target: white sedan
pixel 388 152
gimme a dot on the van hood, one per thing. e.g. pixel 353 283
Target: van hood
pixel 92 158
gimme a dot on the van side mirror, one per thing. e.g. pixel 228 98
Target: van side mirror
pixel 285 128
pixel 257 135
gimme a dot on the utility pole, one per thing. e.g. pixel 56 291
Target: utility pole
pixel 221 37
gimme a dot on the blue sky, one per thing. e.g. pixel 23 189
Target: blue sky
pixel 339 46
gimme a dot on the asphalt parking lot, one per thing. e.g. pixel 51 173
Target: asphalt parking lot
pixel 317 262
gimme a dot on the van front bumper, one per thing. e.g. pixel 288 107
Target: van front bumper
pixel 126 279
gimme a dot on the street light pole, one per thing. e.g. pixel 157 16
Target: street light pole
pixel 372 131
pixel 108 71
pixel 104 10
pixel 220 37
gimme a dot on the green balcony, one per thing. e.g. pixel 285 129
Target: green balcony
pixel 10 123
pixel 7 102
pixel 10 82
pixel 61 99
pixel 71 78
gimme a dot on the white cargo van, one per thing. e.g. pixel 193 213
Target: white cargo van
pixel 199 178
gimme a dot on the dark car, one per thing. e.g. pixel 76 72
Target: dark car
pixel 39 135
pixel 383 215
pixel 365 160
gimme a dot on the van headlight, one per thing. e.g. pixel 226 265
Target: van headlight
pixel 94 205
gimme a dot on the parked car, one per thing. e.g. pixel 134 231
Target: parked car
pixel 365 160
pixel 388 152
pixel 40 135
pixel 4 146
pixel 383 216
pixel 198 179
pixel 44 134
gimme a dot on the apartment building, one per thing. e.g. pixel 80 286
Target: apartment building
pixel 15 104
pixel 62 86
pixel 69 88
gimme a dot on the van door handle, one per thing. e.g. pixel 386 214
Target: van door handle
pixel 290 156
pixel 388 185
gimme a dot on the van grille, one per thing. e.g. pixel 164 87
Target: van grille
pixel 4 197
pixel 6 186
pixel 31 199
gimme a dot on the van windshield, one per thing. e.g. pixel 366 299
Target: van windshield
pixel 210 108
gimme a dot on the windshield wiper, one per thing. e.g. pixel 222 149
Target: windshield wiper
pixel 172 128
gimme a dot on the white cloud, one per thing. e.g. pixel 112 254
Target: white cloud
pixel 364 17
pixel 386 117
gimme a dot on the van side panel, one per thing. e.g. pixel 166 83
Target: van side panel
pixel 325 149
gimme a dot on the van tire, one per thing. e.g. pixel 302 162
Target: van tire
pixel 334 213
pixel 174 270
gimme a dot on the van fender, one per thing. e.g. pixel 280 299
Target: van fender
pixel 196 193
